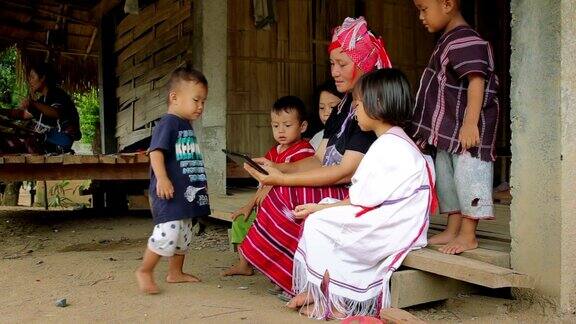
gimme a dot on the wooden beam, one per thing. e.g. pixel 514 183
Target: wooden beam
pixel 99 171
pixel 468 270
pixel 89 49
pixel 43 48
pixel 103 7
pixel 71 17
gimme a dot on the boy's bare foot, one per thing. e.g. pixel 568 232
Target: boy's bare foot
pixel 146 282
pixel 181 277
pixel 307 310
pixel 460 244
pixel 238 270
pixel 442 238
pixel 452 229
pixel 299 301
pixel 337 315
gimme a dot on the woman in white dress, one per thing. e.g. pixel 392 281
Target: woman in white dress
pixel 349 249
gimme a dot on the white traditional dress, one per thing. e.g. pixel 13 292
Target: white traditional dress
pixel 360 245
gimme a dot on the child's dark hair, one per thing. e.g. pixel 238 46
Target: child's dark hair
pixel 314 122
pixel 288 103
pixel 386 96
pixel 45 71
pixel 186 73
pixel 328 86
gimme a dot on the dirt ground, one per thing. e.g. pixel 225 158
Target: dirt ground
pixel 90 258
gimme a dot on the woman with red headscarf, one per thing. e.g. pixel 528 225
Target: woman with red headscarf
pixel 273 239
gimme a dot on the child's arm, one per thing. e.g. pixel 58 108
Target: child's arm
pixel 469 134
pixel 309 163
pixel 262 193
pixel 164 188
pixel 313 177
pixel 304 211
pixel 247 208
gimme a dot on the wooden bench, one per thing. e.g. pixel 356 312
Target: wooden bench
pixel 74 167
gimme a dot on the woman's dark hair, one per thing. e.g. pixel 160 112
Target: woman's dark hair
pixel 288 103
pixel 386 96
pixel 45 71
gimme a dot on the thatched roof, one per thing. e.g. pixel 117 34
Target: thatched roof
pixel 60 31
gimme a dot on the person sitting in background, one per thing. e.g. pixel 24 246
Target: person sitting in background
pixel 55 119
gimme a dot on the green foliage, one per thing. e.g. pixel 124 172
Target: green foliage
pixel 88 106
pixel 58 194
pixel 12 92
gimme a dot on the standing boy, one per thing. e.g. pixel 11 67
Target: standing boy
pixel 457 113
pixel 177 180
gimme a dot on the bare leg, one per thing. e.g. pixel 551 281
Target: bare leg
pixel 145 274
pixel 466 239
pixel 242 268
pixel 299 301
pixel 451 231
pixel 175 274
pixel 307 310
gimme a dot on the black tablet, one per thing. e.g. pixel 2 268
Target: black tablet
pixel 247 159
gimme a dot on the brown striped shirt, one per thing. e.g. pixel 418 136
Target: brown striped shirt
pixel 441 100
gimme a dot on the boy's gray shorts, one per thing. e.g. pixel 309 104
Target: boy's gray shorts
pixel 464 185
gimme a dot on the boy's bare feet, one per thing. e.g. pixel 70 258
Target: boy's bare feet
pixel 146 282
pixel 465 240
pixel 460 244
pixel 299 301
pixel 337 315
pixel 451 231
pixel 442 238
pixel 181 277
pixel 307 310
pixel 239 270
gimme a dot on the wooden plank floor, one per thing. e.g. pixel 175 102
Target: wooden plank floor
pixel 224 206
pixel 25 167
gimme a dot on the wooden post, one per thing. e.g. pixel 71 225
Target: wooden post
pixel 106 84
pixel 45 195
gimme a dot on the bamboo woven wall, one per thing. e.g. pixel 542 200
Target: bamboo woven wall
pixel 291 57
pixel 407 41
pixel 262 66
pixel 148 47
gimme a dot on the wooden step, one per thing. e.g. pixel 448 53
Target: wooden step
pixel 497 258
pixel 414 287
pixel 397 316
pixel 466 269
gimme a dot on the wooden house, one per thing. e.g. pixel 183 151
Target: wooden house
pixel 255 51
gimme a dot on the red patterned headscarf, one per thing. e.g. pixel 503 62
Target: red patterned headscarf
pixel 366 50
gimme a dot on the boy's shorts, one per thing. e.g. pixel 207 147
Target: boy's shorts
pixel 171 238
pixel 464 185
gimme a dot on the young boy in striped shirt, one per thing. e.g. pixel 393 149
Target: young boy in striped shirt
pixel 457 112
